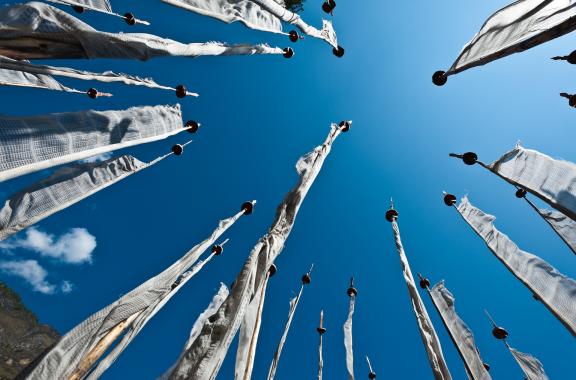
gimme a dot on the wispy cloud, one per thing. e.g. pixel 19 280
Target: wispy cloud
pixel 66 287
pixel 32 273
pixel 99 158
pixel 74 247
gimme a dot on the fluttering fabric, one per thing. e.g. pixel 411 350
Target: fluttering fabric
pixel 215 304
pixel 427 332
pixel 517 27
pixel 35 70
pixel 265 15
pixel 41 31
pixel 556 291
pixel 553 181
pixel 96 5
pixel 348 339
pixel 249 332
pixel 320 359
pixel 531 366
pixel 204 358
pixel 22 79
pixel 293 305
pixel 64 188
pixel 563 225
pixel 32 143
pixel 143 302
pixel 459 331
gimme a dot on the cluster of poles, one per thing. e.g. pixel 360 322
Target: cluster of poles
pixel 515 28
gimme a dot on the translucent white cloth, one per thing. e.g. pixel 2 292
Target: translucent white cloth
pixel 265 15
pixel 39 31
pixel 145 301
pixel 427 332
pixel 64 188
pixel 21 79
pixel 107 76
pixel 293 305
pixel 553 181
pixel 459 331
pixel 249 332
pixel 531 366
pixel 204 358
pixel 95 5
pixel 556 291
pixel 32 143
pixel 197 327
pixel 517 27
pixel 348 339
pixel 563 225
pixel 320 359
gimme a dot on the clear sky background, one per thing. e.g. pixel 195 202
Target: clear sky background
pixel 259 115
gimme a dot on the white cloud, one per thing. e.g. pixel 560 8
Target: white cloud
pixel 74 247
pixel 66 287
pixel 31 272
pixel 99 158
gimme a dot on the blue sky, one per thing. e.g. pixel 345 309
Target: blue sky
pixel 259 115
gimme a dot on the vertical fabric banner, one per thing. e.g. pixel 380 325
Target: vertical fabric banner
pixel 321 331
pixel 427 332
pixel 461 334
pixel 531 366
pixel 348 339
pixel 205 356
pixel 556 291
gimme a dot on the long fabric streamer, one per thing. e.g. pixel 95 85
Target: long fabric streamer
pixel 320 358
pixel 556 291
pixel 206 354
pixel 22 79
pixel 96 5
pixel 429 337
pixel 517 27
pixel 32 143
pixel 348 339
pixel 531 366
pixel 7 64
pixel 144 301
pixel 41 31
pixel 293 305
pixel 460 333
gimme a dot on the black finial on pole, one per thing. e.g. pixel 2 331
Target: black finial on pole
pixel 288 52
pixel 498 332
pixel 78 9
pixel 293 36
pixel 321 330
pixel 192 126
pixel 217 249
pixel 371 374
pixel 129 18
pixel 345 125
pixel 570 58
pixel 351 289
pixel 181 91
pixel 272 270
pixel 424 282
pixel 328 6
pixel 338 52
pixel 177 149
pixel 449 199
pixel 439 78
pixel 247 207
pixel 306 278
pixel 469 158
pixel 391 214
pixel 486 366
pixel 571 99
pixel 92 93
pixel 520 193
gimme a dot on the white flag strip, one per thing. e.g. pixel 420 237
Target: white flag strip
pixel 32 143
pixel 244 11
pixel 531 366
pixel 556 291
pixel 217 301
pixel 427 332
pixel 265 15
pixel 553 181
pixel 7 64
pixel 249 332
pixel 563 225
pixel 40 31
pixel 321 331
pixel 204 358
pixel 461 334
pixel 138 306
pixel 517 27
pixel 293 305
pixel 100 6
pixel 348 339
pixel 18 78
